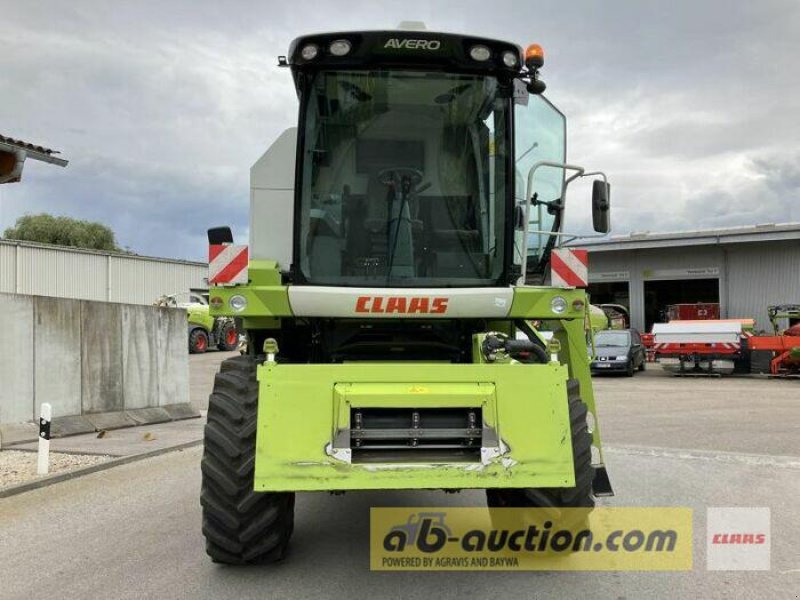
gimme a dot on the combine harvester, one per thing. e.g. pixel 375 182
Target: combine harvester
pixel 393 237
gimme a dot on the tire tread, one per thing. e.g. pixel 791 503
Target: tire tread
pixel 241 526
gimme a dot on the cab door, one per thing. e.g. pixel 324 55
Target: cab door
pixel 539 135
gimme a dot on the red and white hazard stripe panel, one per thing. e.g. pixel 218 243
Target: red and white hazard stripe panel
pixel 697 348
pixel 569 268
pixel 227 264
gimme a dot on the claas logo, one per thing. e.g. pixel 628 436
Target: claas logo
pixel 401 305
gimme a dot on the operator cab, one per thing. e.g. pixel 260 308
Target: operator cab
pixel 413 157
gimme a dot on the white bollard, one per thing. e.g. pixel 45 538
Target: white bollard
pixel 46 414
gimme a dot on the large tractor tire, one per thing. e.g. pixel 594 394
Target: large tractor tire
pixel 240 526
pixel 198 341
pixel 228 338
pixel 579 496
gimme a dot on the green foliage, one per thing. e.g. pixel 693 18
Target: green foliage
pixel 63 231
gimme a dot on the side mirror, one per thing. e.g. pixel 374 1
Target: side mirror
pixel 601 206
pixel 220 235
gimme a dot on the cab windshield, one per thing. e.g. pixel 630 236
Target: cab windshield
pixel 403 180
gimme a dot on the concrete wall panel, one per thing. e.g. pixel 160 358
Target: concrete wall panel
pixel 173 354
pixel 16 358
pixel 140 360
pixel 57 366
pixel 101 357
pixel 88 357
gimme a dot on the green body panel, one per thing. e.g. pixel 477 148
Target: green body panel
pixel 534 303
pixel 199 315
pixel 266 297
pixel 572 336
pixel 262 301
pixel 302 407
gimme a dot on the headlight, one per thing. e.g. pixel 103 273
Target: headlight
pixel 339 47
pixel 622 358
pixel 509 59
pixel 216 302
pixel 309 52
pixel 480 53
pixel 237 303
pixel 558 305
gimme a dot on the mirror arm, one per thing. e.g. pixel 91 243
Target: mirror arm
pixel 528 194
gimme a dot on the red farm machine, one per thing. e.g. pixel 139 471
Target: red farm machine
pixel 722 346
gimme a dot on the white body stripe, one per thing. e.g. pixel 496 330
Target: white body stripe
pixel 394 303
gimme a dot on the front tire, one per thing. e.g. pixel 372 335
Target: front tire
pixel 579 496
pixel 241 526
pixel 228 338
pixel 198 341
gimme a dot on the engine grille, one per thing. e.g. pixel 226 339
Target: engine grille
pixel 416 434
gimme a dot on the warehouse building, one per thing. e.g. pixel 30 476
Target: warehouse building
pixel 745 269
pixel 44 270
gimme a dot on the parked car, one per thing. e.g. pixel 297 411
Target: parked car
pixel 618 350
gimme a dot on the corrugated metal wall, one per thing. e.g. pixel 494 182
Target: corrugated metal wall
pixel 68 273
pixel 8 268
pixel 153 279
pixel 763 275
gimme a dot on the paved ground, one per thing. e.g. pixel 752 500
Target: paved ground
pixel 134 531
pixel 732 414
pixel 202 368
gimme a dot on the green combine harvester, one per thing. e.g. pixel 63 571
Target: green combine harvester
pixel 399 249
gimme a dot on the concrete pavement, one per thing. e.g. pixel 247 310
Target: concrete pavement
pixel 134 532
pixel 202 369
pixel 729 414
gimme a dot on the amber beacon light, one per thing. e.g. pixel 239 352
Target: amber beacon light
pixel 534 56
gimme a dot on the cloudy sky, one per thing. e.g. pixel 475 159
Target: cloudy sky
pixel 693 108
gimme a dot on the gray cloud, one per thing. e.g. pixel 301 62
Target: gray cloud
pixel 161 107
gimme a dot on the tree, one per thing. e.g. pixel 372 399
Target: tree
pixel 63 231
